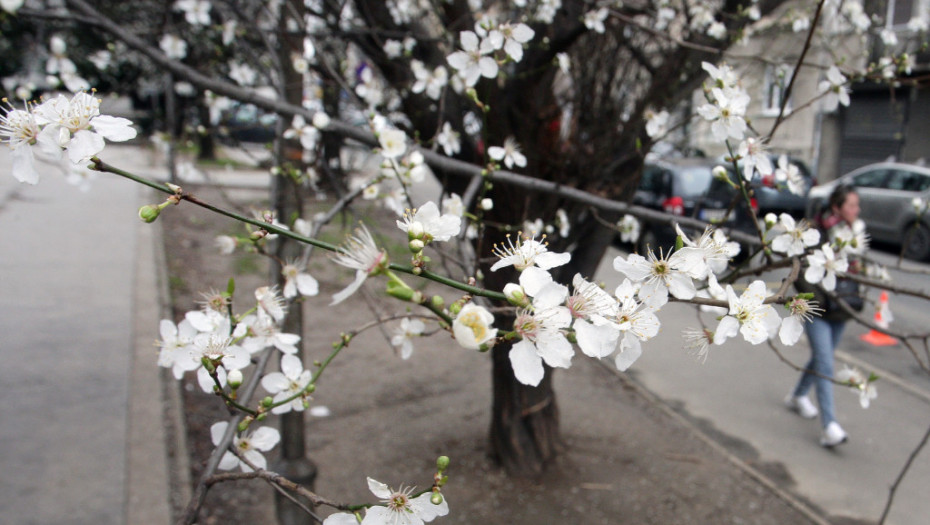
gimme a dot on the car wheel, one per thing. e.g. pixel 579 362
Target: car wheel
pixel 917 242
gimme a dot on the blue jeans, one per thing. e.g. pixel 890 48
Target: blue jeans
pixel 823 335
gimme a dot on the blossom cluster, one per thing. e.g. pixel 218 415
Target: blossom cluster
pixel 218 345
pixel 56 126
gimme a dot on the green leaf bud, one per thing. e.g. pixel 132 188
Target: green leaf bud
pixel 267 402
pixel 149 213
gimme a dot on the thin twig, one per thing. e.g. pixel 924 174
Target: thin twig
pixel 907 466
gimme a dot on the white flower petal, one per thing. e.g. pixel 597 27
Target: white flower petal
pixel 526 363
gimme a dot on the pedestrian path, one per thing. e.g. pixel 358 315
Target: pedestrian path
pixel 67 311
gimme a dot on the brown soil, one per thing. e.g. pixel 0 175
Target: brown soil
pixel 625 460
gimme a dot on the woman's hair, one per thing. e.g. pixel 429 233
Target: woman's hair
pixel 838 197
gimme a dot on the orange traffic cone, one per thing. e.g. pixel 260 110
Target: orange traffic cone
pixel 882 318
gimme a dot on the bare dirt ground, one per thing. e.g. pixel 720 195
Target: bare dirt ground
pixel 625 460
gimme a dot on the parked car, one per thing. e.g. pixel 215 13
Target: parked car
pixel 674 186
pixel 774 197
pixel 886 195
pixel 247 123
pixel 724 206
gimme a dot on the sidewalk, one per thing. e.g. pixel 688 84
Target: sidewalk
pixel 67 316
pixel 736 396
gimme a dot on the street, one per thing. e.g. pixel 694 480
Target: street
pixel 736 397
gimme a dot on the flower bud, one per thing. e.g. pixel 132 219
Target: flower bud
pixel 436 498
pixel 719 172
pixel 515 294
pixel 267 402
pixel 149 213
pixel 487 204
pixel 455 308
pixel 416 246
pixel 320 120
pixel 261 417
pixel 442 463
pixel 311 388
pixel 438 301
pixel 770 220
pixel 234 378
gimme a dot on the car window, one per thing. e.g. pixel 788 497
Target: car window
pixel 692 181
pixel 870 179
pixel 651 180
pixel 907 181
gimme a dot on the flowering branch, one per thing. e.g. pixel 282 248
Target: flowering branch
pixel 277 479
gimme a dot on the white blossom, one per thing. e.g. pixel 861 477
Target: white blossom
pixel 290 381
pixel 297 281
pixel 659 275
pixel 472 62
pixel 404 334
pixel 656 123
pixel 726 113
pixel 196 12
pixel 754 157
pixel 430 82
pixel 541 329
pixel 360 253
pixel 472 326
pixel 77 126
pixel 859 383
pixel 400 508
pixel 748 316
pixel 19 129
pixel 629 228
pixel 834 89
pixel 823 266
pixel 393 143
pixel 448 140
pixel 250 445
pixel 173 46
pixel 527 252
pixel 796 237
pixel 509 153
pixel 427 224
pixel 594 20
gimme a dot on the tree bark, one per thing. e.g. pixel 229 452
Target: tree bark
pixel 524 436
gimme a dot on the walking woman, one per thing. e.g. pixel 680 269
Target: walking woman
pixel 840 218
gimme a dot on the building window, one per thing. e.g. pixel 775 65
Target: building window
pixel 899 12
pixel 777 78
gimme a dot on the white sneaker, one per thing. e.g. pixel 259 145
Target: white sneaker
pixel 833 435
pixel 802 405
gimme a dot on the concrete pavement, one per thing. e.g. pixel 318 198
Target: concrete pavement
pixel 81 413
pixel 736 399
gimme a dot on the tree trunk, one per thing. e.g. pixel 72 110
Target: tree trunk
pixel 524 437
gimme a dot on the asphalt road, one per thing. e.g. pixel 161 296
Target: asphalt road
pixel 736 398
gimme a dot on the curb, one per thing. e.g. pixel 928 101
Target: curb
pixel 158 473
pixel 810 513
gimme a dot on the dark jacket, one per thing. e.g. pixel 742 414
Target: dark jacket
pixel 846 289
